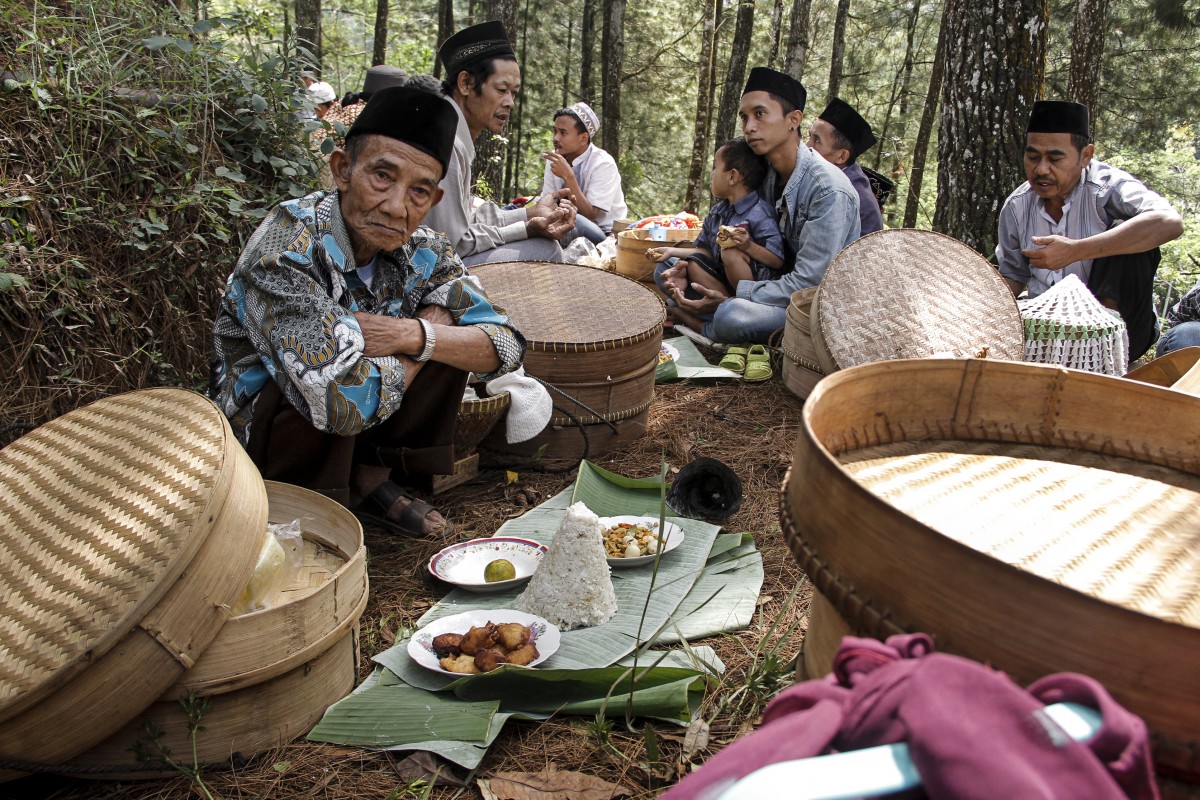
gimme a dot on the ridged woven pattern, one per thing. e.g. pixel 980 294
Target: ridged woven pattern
pixel 801 368
pixel 98 511
pixel 1068 326
pixel 476 418
pixel 1036 508
pixel 567 308
pixel 902 293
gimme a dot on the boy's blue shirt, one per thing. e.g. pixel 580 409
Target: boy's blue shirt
pixel 759 217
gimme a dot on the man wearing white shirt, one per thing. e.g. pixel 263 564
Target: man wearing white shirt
pixel 1082 217
pixel 588 172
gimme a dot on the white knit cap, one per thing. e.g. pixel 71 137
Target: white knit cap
pixel 585 114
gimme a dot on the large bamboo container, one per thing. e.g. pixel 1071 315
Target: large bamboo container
pixel 1031 517
pixel 801 368
pixel 594 337
pixel 127 529
pixel 632 245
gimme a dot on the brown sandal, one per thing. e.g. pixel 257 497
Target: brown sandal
pixel 380 508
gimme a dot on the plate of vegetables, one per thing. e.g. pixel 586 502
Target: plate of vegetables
pixel 632 541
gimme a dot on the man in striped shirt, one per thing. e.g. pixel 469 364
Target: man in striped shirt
pixel 1079 216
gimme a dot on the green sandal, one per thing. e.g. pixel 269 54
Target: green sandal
pixel 758 365
pixel 734 360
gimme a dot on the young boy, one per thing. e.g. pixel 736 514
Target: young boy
pixel 740 240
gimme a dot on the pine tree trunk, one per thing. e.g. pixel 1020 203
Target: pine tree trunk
pixel 445 18
pixel 705 85
pixel 587 37
pixel 1088 35
pixel 308 29
pixel 838 50
pixel 987 91
pixel 612 54
pixel 379 52
pixel 797 42
pixel 891 137
pixel 776 29
pixel 735 77
pixel 921 147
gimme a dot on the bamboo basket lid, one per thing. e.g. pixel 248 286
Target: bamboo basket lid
pixel 902 293
pixel 129 527
pixel 566 308
pixel 1028 516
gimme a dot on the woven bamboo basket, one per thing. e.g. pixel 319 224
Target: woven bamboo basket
pixel 902 293
pixel 633 244
pixel 476 418
pixel 1167 369
pixel 317 610
pixel 1027 516
pixel 801 369
pixel 592 335
pixel 126 537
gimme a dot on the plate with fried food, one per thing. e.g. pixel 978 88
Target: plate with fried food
pixel 475 642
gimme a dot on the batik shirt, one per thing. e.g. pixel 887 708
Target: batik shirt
pixel 288 315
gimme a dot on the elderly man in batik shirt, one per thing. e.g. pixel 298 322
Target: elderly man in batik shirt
pixel 347 332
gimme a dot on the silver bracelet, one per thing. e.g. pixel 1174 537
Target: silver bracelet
pixel 430 339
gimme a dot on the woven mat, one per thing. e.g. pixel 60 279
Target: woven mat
pixel 564 306
pixel 99 510
pixel 903 293
pixel 1121 530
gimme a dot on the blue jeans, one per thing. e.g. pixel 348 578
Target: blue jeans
pixel 736 321
pixel 587 229
pixel 1185 334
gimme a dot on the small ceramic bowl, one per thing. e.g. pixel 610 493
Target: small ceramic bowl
pixel 462 564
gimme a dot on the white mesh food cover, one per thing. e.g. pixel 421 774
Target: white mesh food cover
pixel 572 587
pixel 1066 325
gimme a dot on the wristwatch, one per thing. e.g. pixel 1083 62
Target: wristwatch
pixel 430 339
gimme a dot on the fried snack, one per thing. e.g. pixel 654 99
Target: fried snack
pixel 523 654
pixel 511 635
pixel 488 659
pixel 463 664
pixel 448 644
pixel 725 235
pixel 478 639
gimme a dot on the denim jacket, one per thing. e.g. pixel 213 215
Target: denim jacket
pixel 818 215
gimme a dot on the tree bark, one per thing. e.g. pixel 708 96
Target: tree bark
pixel 612 54
pixel 776 29
pixel 838 49
pixel 990 84
pixel 587 36
pixel 379 52
pixel 308 30
pixel 1088 35
pixel 705 87
pixel 797 42
pixel 445 18
pixel 490 150
pixel 894 138
pixel 921 147
pixel 735 76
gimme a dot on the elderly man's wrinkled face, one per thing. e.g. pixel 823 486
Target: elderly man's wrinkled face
pixel 491 108
pixel 821 138
pixel 1053 165
pixel 764 124
pixel 385 193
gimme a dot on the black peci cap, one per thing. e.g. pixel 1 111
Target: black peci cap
pixel 1060 116
pixel 763 79
pixel 464 48
pixel 850 124
pixel 424 120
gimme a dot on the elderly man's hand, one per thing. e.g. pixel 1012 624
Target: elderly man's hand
pixel 1051 252
pixel 554 225
pixel 549 204
pixel 704 306
pixel 393 336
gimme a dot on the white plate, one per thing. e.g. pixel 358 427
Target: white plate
pixel 673 537
pixel 420 646
pixel 462 564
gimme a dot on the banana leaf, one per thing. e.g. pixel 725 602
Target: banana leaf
pixel 690 365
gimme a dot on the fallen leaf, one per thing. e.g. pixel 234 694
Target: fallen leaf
pixel 387 635
pixel 550 784
pixel 423 765
pixel 696 738
pixel 510 477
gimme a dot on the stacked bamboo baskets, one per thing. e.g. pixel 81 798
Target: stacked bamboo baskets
pixel 130 527
pixel 594 336
pixel 801 369
pixel 1029 517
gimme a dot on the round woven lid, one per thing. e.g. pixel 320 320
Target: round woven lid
pixel 126 526
pixel 569 308
pixel 903 293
